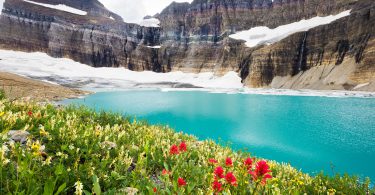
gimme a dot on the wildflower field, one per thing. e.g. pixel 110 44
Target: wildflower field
pixel 74 150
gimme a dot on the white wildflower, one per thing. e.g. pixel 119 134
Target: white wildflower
pixel 4 149
pixel 79 187
pixel 62 155
pixel 47 161
pixel 71 147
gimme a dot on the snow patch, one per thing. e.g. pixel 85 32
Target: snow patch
pixel 308 93
pixel 67 72
pixel 361 85
pixel 284 92
pixel 263 35
pixel 151 22
pixel 155 47
pixel 60 7
pixel 1 5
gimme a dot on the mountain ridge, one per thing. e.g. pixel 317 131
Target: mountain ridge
pixel 194 38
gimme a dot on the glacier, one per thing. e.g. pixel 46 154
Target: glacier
pixel 70 73
pixel 263 35
pixel 60 7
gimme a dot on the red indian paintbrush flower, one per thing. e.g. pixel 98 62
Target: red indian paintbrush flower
pixel 219 172
pixel 261 172
pixel 229 162
pixel 212 161
pixel 248 163
pixel 173 150
pixel 217 186
pixel 183 146
pixel 30 113
pixel 165 172
pixel 231 179
pixel 181 182
pixel 155 190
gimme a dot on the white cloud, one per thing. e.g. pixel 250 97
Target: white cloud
pixel 134 10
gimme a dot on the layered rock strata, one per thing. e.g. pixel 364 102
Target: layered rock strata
pixel 194 38
pixel 97 39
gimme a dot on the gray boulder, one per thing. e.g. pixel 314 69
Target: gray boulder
pixel 18 136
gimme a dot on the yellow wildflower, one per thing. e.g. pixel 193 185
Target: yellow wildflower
pixel 97 133
pixel 47 161
pixel 331 191
pixel 5 161
pixel 3 150
pixel 92 171
pixel 75 166
pixel 1 114
pixel 36 146
pixel 43 132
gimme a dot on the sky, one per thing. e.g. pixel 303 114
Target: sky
pixel 134 10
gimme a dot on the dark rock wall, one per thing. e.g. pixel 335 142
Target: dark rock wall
pixel 194 38
pixel 93 40
pixel 347 38
pixel 214 19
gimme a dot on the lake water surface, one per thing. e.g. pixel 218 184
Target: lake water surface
pixel 311 133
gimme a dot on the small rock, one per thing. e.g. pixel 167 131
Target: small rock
pixel 156 180
pixel 110 145
pixel 18 136
pixel 132 167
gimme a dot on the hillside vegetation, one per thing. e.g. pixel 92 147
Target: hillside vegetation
pixel 74 150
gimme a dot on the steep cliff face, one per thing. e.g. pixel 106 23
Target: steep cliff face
pixel 334 56
pixel 195 38
pixel 93 7
pixel 99 38
pixel 214 19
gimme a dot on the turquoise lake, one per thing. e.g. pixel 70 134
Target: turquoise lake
pixel 336 135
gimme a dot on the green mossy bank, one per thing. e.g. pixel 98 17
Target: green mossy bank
pixel 76 150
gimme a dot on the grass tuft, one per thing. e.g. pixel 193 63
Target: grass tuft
pixel 2 94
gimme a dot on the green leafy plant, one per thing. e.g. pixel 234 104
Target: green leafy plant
pixel 2 94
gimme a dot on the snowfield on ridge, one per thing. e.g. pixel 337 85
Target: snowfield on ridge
pixel 263 35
